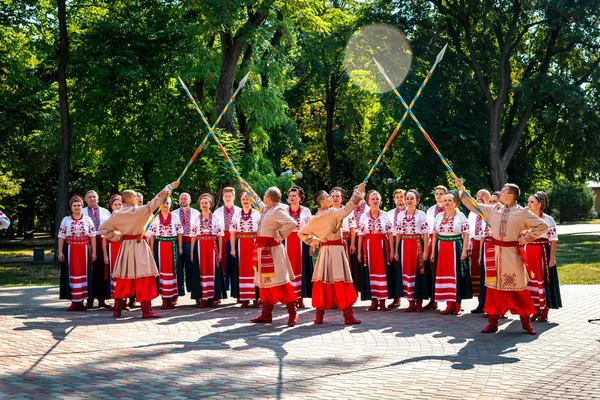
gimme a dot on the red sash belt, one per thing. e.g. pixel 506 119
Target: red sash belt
pixel 245 235
pixel 539 241
pixel 339 242
pixel 262 259
pixel 545 258
pixel 186 240
pixel 78 240
pixel 520 251
pixel 132 237
pixel 206 237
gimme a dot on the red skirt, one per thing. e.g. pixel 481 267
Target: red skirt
pixel 144 289
pixel 78 259
pixel 375 249
pixel 207 255
pixel 498 302
pixel 113 252
pixel 166 264
pixel 293 245
pixel 535 260
pixel 475 267
pixel 410 261
pixel 245 246
pixel 339 294
pixel 278 294
pixel 446 272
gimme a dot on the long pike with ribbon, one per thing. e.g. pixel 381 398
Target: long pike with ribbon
pixel 444 161
pixel 198 150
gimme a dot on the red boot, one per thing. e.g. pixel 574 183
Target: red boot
pixel 213 303
pixel 382 305
pixel 526 324
pixel 201 304
pixel 255 303
pixel 349 316
pixel 395 303
pixel 245 304
pixel 174 301
pixel 432 305
pixel 117 308
pixel 147 310
pixel 538 314
pixel 544 316
pixel 72 307
pixel 457 309
pixel 301 303
pixel 165 304
pixel 419 307
pixel 411 306
pixel 373 306
pixel 266 316
pixel 319 316
pixel 492 325
pixel 292 313
pixel 449 308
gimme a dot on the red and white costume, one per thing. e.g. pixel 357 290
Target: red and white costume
pixel 375 248
pixel 447 259
pixel 207 230
pixel 411 229
pixel 166 252
pixel 537 259
pixel 225 215
pixel 245 227
pixel 77 235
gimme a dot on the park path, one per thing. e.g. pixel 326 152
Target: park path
pixel 192 353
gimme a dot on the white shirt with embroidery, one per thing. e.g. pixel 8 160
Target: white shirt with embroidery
pixel 475 228
pixel 242 222
pixel 348 223
pixel 187 220
pixel 226 216
pixel 368 225
pixel 103 215
pixel 210 225
pixel 302 218
pixel 408 224
pixel 174 228
pixel 431 213
pixel 455 225
pixel 76 227
pixel 393 214
pixel 551 235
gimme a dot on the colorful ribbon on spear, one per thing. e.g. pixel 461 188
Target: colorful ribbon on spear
pixel 412 103
pixel 198 150
pixel 211 131
pixel 444 161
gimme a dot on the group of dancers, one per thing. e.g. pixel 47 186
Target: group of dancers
pixel 263 253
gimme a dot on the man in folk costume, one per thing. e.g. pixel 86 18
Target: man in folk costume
pixel 100 273
pixel 476 225
pixel 396 270
pixel 225 214
pixel 4 221
pixel 332 280
pixel 440 192
pixel 187 215
pixel 506 278
pixel 135 269
pixel 273 267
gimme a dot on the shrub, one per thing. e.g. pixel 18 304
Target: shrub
pixel 570 201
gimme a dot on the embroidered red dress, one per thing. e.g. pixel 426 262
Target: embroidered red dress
pixel 375 248
pixel 411 227
pixel 207 278
pixel 244 226
pixel 76 269
pixel 166 252
pixel 538 258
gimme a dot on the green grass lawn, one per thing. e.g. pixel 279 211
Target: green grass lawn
pixel 28 275
pixel 578 259
pixel 22 251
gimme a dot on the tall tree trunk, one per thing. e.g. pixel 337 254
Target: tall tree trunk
pixel 62 191
pixel 231 52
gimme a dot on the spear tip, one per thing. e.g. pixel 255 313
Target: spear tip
pixel 440 55
pixel 242 84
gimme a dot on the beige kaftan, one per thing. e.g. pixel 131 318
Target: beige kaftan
pixel 507 225
pixel 275 219
pixel 135 258
pixel 332 263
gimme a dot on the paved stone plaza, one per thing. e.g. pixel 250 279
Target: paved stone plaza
pixel 46 352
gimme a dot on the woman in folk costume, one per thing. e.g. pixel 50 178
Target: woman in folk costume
pixel 356 266
pixel 375 248
pixel 225 214
pixel 332 280
pixel 75 239
pixel 395 272
pixel 541 256
pixel 476 225
pixel 432 212
pixel 208 283
pixel 135 270
pixel 451 267
pixel 300 254
pixel 273 267
pixel 506 274
pixel 111 249
pixel 412 244
pixel 166 244
pixel 348 225
pixel 244 227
